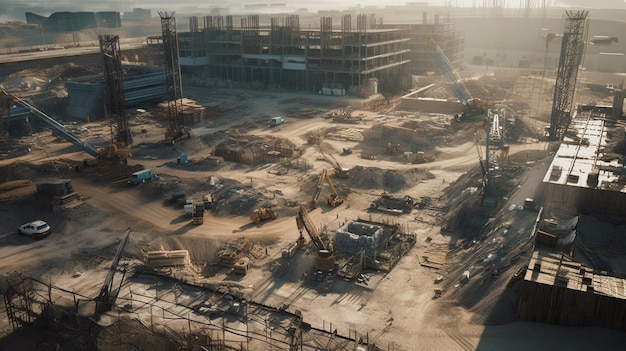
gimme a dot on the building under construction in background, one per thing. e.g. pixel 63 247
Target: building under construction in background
pixel 356 56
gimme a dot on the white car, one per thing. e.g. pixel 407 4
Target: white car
pixel 36 229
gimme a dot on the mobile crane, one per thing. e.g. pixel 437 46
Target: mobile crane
pixel 471 106
pixel 325 259
pixel 334 199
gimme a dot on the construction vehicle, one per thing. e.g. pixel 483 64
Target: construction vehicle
pixel 140 177
pixel 334 199
pixel 263 214
pixel 471 106
pixel 276 121
pixel 340 172
pixel 388 202
pixel 197 214
pixel 325 259
pixel 188 208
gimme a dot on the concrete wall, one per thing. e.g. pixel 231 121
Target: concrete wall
pixel 565 201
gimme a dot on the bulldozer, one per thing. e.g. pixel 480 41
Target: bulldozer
pixel 263 214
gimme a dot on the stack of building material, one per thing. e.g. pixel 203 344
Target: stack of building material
pixel 192 111
pixel 166 258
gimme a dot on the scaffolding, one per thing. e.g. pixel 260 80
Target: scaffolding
pixel 572 52
pixel 281 54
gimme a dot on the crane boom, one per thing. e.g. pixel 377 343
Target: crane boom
pixel 105 299
pixel 50 122
pixel 470 105
pixel 304 222
pixel 451 74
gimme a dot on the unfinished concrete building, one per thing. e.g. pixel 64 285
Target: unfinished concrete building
pixel 442 30
pixel 142 85
pixel 375 245
pixel 586 175
pixel 333 60
pixel 559 290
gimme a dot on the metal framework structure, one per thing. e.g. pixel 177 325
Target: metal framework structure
pixel 572 52
pixel 114 89
pixel 172 72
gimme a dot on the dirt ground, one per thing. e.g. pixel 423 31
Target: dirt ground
pixel 396 310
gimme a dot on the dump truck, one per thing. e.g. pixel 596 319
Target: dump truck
pixel 197 214
pixel 263 214
pixel 388 202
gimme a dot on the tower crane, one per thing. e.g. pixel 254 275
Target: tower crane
pixel 325 259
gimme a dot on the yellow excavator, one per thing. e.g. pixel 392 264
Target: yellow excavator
pixel 325 259
pixel 334 199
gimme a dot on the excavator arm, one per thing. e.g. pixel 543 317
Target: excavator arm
pixel 303 221
pixel 318 189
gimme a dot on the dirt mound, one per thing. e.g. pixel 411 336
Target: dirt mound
pixel 241 199
pixel 25 170
pixel 388 180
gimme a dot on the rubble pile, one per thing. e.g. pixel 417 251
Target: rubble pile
pixel 241 200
